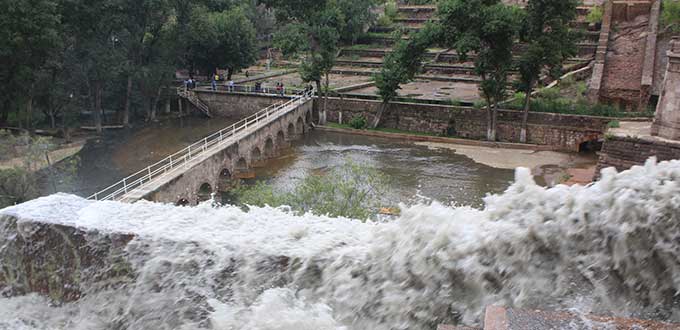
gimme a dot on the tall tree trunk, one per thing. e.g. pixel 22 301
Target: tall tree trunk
pixel 490 129
pixel 494 121
pixel 378 116
pixel 230 71
pixel 53 120
pixel 322 115
pixel 325 99
pixel 525 115
pixel 128 96
pixel 156 100
pixel 98 106
pixel 29 110
pixel 4 113
pixel 147 106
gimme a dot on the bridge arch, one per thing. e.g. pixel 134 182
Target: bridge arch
pixel 241 165
pixel 300 126
pixel 280 140
pixel 291 131
pixel 204 192
pixel 269 148
pixel 224 180
pixel 255 155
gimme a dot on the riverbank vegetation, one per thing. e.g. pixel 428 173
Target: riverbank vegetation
pixel 25 164
pixel 351 190
pixel 106 62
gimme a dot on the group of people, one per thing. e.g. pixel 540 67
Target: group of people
pixel 231 87
pixel 216 78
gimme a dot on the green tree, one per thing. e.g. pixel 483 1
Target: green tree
pixel 549 42
pixel 224 39
pixel 401 65
pixel 358 16
pixel 145 22
pixel 94 29
pixel 312 31
pixel 489 29
pixel 29 34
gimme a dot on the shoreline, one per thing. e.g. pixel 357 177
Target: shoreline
pixel 546 163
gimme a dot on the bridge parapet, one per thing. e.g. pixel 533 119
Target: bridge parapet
pixel 151 180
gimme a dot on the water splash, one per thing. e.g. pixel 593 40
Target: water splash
pixel 610 248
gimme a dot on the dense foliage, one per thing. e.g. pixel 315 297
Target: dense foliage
pixel 488 31
pixel 108 58
pixel 312 31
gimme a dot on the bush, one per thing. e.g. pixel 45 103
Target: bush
pixel 670 16
pixel 358 122
pixel 17 185
pixel 614 124
pixel 351 191
pixel 384 21
pixel 391 9
pixel 595 15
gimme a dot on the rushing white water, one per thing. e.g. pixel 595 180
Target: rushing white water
pixel 610 248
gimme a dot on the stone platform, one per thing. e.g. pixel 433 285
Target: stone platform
pixel 632 144
pixel 500 318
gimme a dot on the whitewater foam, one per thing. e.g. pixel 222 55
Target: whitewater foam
pixel 611 248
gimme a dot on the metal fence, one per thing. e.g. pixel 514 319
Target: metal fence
pixel 198 149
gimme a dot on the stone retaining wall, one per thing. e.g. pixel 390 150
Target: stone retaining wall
pixel 623 152
pixel 566 132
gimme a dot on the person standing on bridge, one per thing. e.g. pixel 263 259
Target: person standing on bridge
pixel 213 83
pixel 231 85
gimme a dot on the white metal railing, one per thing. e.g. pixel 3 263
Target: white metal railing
pixel 186 155
pixel 261 89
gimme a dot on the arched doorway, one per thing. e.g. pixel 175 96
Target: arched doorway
pixel 204 192
pixel 269 148
pixel 590 146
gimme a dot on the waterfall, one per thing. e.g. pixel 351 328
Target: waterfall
pixel 610 248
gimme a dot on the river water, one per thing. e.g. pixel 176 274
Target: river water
pixel 413 172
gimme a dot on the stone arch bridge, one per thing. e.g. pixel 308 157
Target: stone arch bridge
pixel 208 166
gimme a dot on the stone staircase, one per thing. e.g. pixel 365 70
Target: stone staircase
pixel 500 318
pixel 191 96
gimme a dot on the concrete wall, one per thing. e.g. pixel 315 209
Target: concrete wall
pixel 237 105
pixel 623 152
pixel 237 159
pixel 565 132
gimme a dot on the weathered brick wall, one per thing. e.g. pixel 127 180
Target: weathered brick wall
pixel 564 131
pixel 623 152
